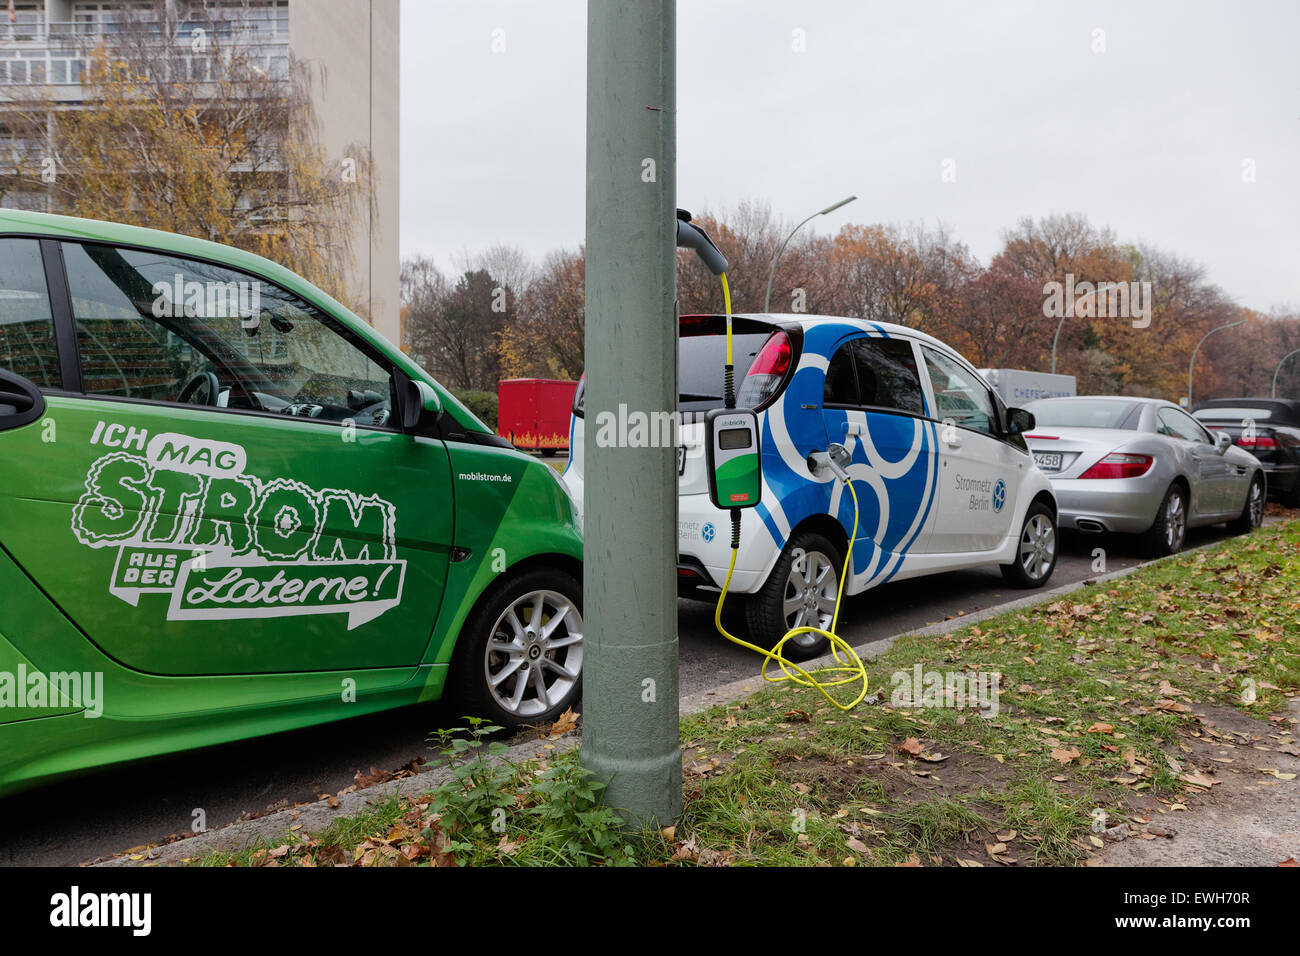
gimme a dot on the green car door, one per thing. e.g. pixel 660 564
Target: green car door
pixel 219 488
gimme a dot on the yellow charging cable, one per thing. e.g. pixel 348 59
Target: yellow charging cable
pixel 848 667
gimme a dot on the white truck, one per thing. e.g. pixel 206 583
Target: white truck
pixel 1017 387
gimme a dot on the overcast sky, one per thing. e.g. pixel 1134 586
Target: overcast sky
pixel 1149 137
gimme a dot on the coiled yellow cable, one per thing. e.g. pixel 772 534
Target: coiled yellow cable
pixel 848 667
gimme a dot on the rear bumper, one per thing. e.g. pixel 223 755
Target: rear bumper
pixel 1125 505
pixel 694 580
pixel 1281 475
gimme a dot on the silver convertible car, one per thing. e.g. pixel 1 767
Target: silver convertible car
pixel 1142 466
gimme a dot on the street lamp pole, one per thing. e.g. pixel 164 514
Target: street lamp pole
pixel 629 716
pixel 1067 314
pixel 771 273
pixel 1279 369
pixel 1230 325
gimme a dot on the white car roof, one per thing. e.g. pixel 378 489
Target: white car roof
pixel 811 321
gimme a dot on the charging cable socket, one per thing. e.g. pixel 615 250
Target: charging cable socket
pixel 836 459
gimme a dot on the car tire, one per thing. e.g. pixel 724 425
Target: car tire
pixel 1036 551
pixel 808 561
pixel 1169 531
pixel 1252 514
pixel 494 653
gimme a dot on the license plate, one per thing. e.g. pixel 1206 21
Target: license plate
pixel 681 460
pixel 1048 461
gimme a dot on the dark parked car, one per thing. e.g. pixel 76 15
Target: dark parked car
pixel 1268 428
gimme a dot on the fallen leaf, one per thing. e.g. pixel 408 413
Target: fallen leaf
pixel 1276 773
pixel 1065 755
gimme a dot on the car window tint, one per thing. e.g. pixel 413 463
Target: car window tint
pixel 887 375
pixel 156 327
pixel 1181 425
pixel 961 395
pixel 700 380
pixel 841 386
pixel 26 324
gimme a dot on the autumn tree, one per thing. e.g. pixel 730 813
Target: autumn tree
pixel 547 338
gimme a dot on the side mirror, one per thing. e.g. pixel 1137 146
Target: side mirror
pixel 415 404
pixel 1222 442
pixel 1020 421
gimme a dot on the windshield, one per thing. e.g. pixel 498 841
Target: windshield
pixel 1085 413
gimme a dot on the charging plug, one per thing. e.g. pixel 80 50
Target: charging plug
pixel 836 459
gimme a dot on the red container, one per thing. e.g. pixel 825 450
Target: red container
pixel 534 413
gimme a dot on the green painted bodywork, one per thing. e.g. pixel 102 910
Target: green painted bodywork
pixel 110 511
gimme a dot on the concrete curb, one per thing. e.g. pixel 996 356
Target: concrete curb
pixel 315 817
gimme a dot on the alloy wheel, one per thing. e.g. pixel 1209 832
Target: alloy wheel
pixel 1038 547
pixel 1256 503
pixel 534 653
pixel 810 592
pixel 1175 522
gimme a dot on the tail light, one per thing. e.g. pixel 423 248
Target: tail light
pixel 766 372
pixel 1117 465
pixel 1257 441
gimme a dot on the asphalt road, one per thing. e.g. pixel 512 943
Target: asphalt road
pixel 102 814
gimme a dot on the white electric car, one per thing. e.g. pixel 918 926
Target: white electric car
pixel 943 476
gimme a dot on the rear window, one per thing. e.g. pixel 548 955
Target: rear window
pixel 700 375
pixel 1231 413
pixel 1086 413
pixel 702 350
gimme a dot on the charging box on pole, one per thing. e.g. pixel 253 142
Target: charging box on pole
pixel 731 444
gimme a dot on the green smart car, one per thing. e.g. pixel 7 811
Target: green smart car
pixel 230 508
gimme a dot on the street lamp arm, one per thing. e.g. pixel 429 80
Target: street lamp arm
pixel 771 273
pixel 1192 363
pixel 1277 370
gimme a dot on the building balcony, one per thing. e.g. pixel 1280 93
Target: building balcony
pixel 56 54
